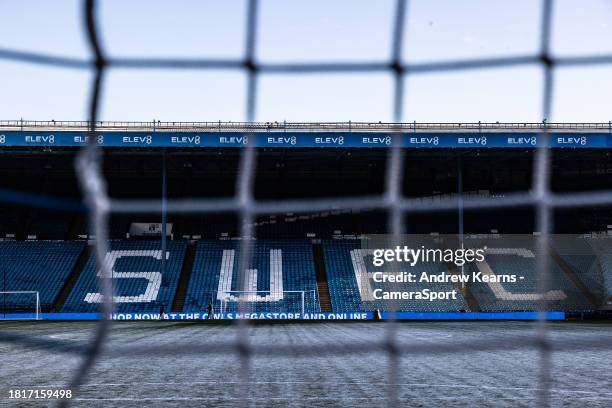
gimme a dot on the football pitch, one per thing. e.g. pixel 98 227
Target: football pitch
pixel 168 377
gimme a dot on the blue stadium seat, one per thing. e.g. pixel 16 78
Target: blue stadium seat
pixel 44 266
pixel 139 286
pixel 346 296
pixel 41 266
pixel 603 249
pixel 583 259
pixel 564 294
pixel 296 266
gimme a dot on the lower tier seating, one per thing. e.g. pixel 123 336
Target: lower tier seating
pixel 518 255
pixel 603 249
pixel 582 257
pixel 280 276
pixel 351 286
pixel 41 266
pixel 139 283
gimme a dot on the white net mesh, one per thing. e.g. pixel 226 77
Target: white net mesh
pixel 247 207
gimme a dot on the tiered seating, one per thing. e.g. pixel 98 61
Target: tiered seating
pixel 281 266
pixel 518 256
pixel 606 265
pixel 344 289
pixel 582 258
pixel 603 248
pixel 41 266
pixel 276 268
pixel 139 285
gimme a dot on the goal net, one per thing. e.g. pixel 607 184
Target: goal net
pixel 20 305
pixel 288 301
pixel 400 71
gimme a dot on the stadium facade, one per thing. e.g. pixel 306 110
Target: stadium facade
pixel 307 261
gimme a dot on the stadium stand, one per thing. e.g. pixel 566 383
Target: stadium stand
pixel 517 256
pixel 583 260
pixel 282 266
pixel 603 249
pixel 47 176
pixel 581 255
pixel 41 266
pixel 278 268
pixel 343 289
pixel 606 263
pixel 344 261
pixel 139 283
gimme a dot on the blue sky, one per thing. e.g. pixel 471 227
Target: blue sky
pixel 307 31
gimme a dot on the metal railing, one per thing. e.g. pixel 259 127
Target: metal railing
pixel 303 126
